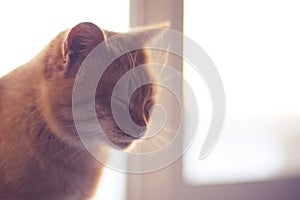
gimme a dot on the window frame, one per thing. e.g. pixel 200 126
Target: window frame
pixel 168 183
pixel 142 12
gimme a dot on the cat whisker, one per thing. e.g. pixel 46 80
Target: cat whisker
pixel 72 156
pixel 55 155
pixel 123 62
pixel 68 137
pixel 49 141
pixel 163 59
pixel 84 153
pixel 154 143
pixel 132 59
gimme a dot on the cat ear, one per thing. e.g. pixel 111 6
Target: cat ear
pixel 79 42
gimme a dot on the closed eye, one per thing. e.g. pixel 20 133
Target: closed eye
pixel 147 108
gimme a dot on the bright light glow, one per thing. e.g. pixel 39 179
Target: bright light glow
pixel 256 46
pixel 112 184
pixel 28 26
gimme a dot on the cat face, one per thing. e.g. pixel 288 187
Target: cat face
pixel 139 105
pixel 64 56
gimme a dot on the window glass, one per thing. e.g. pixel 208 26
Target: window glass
pixel 255 46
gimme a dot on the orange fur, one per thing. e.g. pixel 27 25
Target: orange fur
pixel 41 156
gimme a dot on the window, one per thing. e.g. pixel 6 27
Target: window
pixel 256 52
pixel 256 119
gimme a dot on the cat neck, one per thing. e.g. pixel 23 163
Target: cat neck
pixel 22 119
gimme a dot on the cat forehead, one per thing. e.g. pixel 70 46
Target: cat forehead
pixel 123 44
pixel 138 37
pixel 109 33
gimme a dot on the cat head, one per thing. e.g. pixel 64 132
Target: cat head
pixel 63 58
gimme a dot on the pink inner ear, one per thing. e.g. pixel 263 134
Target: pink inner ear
pixel 82 38
pixel 79 42
pixel 66 50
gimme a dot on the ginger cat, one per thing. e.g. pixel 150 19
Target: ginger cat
pixel 41 155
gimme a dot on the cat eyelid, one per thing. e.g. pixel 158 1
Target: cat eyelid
pixel 148 104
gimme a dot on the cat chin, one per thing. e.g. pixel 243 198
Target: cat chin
pixel 121 145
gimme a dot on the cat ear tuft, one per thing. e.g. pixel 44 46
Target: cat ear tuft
pixel 79 42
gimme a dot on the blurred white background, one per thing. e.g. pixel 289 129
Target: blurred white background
pixel 27 26
pixel 255 46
